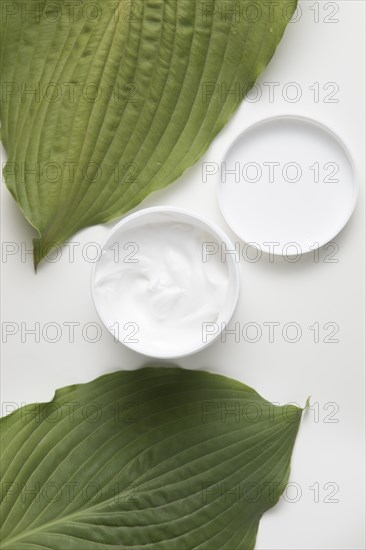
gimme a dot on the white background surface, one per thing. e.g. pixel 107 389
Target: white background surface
pixel 305 293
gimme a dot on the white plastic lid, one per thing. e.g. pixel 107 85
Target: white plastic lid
pixel 287 181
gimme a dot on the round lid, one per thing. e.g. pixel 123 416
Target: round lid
pixel 287 182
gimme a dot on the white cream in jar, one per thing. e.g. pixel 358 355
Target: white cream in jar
pixel 162 280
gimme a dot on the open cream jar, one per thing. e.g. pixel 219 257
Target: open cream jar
pixel 167 282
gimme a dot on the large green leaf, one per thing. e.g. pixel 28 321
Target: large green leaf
pixel 128 94
pixel 160 458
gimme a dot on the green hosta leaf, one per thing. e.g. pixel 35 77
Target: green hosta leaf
pixel 105 101
pixel 160 459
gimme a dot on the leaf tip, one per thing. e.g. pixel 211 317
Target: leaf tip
pixel 307 404
pixel 37 257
